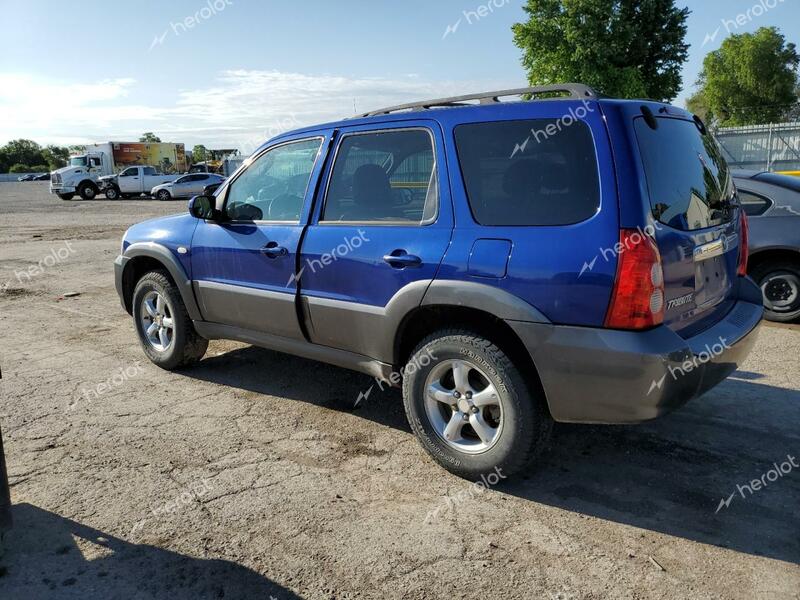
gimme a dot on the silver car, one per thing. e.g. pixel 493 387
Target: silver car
pixel 185 186
pixel 772 203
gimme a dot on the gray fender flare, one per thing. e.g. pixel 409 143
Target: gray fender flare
pixel 166 258
pixel 480 296
pixel 467 294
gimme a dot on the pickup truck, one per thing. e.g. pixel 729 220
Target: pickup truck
pixel 133 181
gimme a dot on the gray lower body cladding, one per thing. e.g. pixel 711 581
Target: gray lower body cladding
pixel 608 376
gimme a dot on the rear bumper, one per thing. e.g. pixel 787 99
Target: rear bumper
pixel 606 376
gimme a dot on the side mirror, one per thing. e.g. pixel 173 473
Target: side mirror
pixel 202 207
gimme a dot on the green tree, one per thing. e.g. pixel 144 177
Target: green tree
pixel 200 153
pixel 150 138
pixel 56 156
pixel 623 48
pixel 751 79
pixel 25 152
pixel 20 168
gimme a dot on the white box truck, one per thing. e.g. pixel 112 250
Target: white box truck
pixel 84 171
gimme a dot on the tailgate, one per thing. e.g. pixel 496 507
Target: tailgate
pixel 692 198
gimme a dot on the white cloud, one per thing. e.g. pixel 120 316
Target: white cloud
pixel 241 108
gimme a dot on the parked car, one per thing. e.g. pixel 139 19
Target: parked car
pixel 508 263
pixel 5 497
pixel 133 181
pixel 28 177
pixel 185 186
pixel 772 202
pixel 42 177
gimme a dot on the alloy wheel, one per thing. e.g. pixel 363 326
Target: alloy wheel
pixel 463 406
pixel 157 322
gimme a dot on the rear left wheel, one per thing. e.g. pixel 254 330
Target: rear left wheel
pixel 470 407
pixel 163 195
pixel 112 193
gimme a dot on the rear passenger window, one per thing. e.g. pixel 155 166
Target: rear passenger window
pixel 536 172
pixel 386 176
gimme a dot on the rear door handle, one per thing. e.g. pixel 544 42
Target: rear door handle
pixel 399 259
pixel 273 250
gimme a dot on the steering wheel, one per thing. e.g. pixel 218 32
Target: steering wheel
pixel 285 207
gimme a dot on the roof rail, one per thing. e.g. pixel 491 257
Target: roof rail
pixel 574 90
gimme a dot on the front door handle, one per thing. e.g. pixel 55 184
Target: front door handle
pixel 400 259
pixel 273 250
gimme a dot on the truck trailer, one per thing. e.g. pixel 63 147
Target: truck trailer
pixel 82 174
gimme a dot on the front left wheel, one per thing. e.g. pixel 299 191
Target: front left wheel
pixel 471 408
pixel 165 329
pixel 87 191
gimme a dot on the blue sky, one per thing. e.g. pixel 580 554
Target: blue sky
pixel 244 70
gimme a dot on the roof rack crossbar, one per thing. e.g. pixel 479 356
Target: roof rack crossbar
pixel 573 90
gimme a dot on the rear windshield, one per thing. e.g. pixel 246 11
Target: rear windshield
pixel 535 172
pixel 688 180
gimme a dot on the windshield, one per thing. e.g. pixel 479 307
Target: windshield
pixel 77 161
pixel 688 180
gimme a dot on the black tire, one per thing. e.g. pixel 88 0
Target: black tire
pixel 525 425
pixel 780 283
pixel 186 346
pixel 66 196
pixel 112 193
pixel 163 195
pixel 87 191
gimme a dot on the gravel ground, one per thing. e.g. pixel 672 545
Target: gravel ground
pixel 252 476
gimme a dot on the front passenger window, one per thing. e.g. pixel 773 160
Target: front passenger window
pixel 274 186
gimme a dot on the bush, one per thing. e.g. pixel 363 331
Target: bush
pixel 19 168
pixel 40 169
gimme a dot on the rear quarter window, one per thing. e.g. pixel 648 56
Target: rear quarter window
pixel 754 205
pixel 528 173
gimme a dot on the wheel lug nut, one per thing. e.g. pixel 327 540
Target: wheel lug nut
pixel 469 395
pixel 474 410
pixel 466 417
pixel 456 394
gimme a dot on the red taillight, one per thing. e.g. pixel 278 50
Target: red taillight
pixel 637 301
pixel 744 243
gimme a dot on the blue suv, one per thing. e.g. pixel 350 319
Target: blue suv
pixel 558 257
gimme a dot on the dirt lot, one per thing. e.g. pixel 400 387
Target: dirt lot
pixel 252 476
